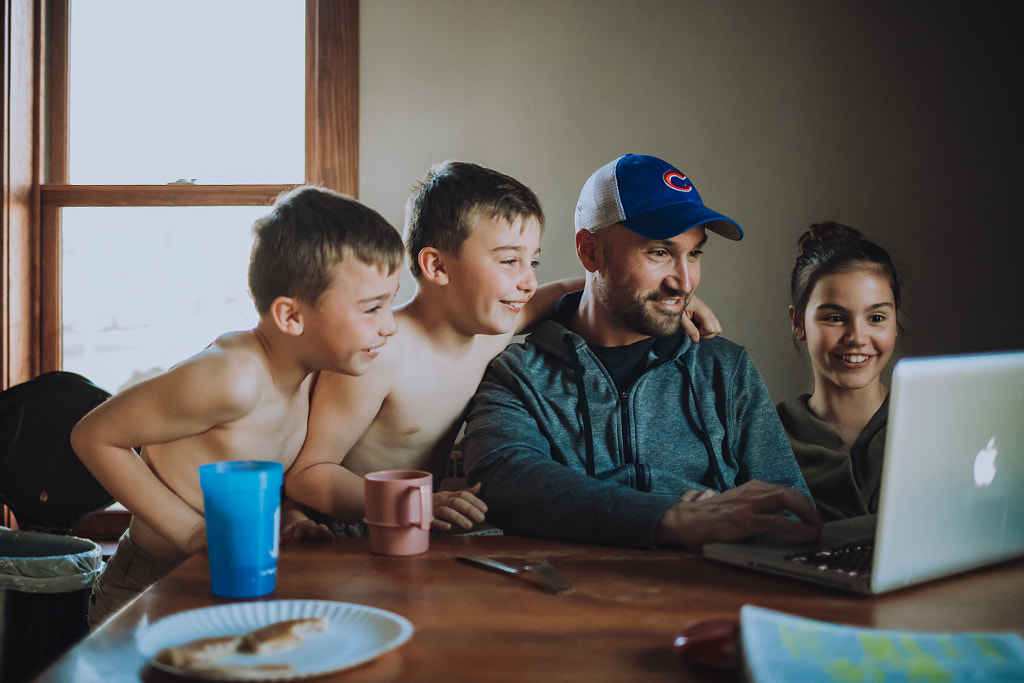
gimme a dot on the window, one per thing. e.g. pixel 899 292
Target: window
pixel 215 94
pixel 146 287
pixel 170 127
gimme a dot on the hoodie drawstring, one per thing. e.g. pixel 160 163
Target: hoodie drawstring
pixel 588 431
pixel 704 435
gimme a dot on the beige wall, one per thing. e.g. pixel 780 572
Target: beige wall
pixel 904 124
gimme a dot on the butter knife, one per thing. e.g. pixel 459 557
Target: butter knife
pixel 547 572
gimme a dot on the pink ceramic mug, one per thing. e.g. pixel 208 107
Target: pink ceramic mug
pixel 399 509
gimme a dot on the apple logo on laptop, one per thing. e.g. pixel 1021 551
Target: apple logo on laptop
pixel 985 464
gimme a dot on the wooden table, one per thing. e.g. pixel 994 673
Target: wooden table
pixel 472 624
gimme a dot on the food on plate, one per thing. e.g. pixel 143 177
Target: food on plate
pixel 197 652
pixel 202 656
pixel 282 635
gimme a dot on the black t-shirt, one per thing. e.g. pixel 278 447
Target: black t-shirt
pixel 625 363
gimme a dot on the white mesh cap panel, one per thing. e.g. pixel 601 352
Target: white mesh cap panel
pixel 599 205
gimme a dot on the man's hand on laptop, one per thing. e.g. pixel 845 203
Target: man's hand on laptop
pixel 753 508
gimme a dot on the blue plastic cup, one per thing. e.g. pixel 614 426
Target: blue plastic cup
pixel 243 525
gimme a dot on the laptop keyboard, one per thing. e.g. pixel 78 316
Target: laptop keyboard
pixel 853 559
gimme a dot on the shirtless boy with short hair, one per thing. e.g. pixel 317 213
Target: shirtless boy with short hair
pixel 323 275
pixel 473 237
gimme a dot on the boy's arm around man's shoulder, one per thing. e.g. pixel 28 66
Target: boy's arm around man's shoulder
pixel 188 400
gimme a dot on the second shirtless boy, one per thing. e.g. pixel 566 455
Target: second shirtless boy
pixel 472 236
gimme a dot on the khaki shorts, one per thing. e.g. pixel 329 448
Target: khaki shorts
pixel 129 571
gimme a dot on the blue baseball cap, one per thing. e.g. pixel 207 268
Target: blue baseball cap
pixel 650 197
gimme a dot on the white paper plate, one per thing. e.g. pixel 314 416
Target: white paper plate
pixel 355 635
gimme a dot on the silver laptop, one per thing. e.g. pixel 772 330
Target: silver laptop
pixel 952 483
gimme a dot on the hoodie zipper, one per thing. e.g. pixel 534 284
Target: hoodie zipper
pixel 627 442
pixel 641 472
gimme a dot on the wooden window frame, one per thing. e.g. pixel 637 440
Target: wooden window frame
pixel 35 181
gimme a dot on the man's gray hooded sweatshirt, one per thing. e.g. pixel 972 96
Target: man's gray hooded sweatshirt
pixel 563 454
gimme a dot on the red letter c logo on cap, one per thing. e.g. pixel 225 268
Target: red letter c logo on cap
pixel 671 179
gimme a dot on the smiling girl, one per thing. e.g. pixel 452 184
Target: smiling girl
pixel 845 299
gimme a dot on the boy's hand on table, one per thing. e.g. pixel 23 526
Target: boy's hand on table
pixel 306 530
pixel 458 508
pixel 297 525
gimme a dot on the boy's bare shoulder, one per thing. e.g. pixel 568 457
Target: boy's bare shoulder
pixel 233 365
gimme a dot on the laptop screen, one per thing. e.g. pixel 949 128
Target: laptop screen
pixel 954 467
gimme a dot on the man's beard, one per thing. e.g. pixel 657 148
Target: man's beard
pixel 639 316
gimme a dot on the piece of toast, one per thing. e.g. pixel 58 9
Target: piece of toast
pixel 199 652
pixel 202 654
pixel 282 635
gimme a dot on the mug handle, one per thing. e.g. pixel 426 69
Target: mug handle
pixel 426 506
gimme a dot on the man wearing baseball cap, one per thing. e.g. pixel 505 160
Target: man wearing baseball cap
pixel 609 425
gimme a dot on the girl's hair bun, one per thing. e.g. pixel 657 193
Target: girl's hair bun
pixel 820 235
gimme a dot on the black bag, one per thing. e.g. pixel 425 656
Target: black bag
pixel 41 479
